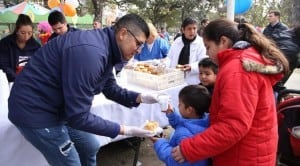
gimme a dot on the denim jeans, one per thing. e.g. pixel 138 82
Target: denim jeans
pixel 63 146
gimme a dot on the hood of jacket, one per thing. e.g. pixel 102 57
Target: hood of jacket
pixel 252 61
pixel 193 125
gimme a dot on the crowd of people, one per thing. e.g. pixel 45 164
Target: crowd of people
pixel 231 70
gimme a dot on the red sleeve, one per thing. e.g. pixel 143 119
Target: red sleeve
pixel 232 111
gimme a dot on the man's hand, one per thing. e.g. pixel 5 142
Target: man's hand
pixel 136 131
pixel 149 98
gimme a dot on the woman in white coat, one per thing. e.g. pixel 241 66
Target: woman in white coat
pixel 187 50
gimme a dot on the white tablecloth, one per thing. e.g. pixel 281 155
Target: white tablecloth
pixel 108 109
pixel 16 151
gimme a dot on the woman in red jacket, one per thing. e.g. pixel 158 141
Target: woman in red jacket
pixel 243 124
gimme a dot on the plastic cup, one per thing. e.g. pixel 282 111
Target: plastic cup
pixel 163 101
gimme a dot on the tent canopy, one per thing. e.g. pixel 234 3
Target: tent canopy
pixel 27 8
pixel 37 13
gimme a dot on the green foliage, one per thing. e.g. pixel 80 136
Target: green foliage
pixel 258 13
pixel 170 13
pixel 157 11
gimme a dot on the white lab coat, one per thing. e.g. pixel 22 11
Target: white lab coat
pixel 197 53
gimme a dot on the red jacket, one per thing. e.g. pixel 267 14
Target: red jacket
pixel 243 129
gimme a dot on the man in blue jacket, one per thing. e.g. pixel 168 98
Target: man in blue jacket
pixel 51 99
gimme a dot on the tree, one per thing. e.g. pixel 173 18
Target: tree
pixel 295 13
pixel 169 13
pixel 258 13
pixel 198 9
pixel 98 9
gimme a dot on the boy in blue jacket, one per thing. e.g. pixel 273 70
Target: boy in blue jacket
pixel 194 102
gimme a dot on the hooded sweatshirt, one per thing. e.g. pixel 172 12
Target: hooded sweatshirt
pixel 10 54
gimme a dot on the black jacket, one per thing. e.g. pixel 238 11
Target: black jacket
pixel 289 44
pixel 277 28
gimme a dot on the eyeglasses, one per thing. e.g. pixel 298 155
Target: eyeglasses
pixel 139 44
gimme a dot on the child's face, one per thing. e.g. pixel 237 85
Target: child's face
pixel 207 76
pixel 183 110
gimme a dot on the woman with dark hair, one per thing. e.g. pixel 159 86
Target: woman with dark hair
pixel 187 50
pixel 243 125
pixel 17 47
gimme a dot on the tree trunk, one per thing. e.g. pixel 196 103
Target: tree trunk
pixel 98 8
pixel 45 3
pixel 295 13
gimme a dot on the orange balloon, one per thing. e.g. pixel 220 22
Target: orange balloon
pixel 69 10
pixel 53 3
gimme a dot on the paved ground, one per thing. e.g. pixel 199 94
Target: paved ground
pixel 121 154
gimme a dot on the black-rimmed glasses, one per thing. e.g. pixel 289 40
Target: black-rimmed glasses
pixel 139 44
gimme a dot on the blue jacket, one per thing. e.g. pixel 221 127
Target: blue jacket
pixel 10 53
pixel 61 79
pixel 184 128
pixel 159 50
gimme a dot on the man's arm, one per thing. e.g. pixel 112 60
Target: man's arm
pixel 120 95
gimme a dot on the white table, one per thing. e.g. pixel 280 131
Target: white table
pixel 110 110
pixel 16 151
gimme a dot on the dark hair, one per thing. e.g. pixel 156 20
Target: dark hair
pixel 240 20
pixel 134 23
pixel 204 21
pixel 208 63
pixel 22 20
pixel 214 31
pixel 187 21
pixel 275 12
pixel 246 32
pixel 56 17
pixel 196 96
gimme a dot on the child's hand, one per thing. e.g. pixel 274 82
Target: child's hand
pixel 169 110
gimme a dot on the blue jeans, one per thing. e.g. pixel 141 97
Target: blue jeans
pixel 63 146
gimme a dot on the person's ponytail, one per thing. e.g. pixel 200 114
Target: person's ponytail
pixel 266 47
